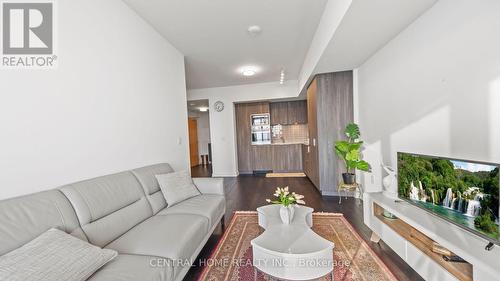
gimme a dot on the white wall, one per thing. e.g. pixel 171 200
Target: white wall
pixel 117 101
pixel 435 88
pixel 222 124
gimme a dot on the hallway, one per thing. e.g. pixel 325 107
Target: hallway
pixel 201 171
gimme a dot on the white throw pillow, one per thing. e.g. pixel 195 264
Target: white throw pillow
pixel 177 187
pixel 52 256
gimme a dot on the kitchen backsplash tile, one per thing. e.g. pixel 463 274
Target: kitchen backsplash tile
pixel 290 133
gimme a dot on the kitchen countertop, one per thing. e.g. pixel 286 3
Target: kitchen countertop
pixel 281 143
pixel 286 143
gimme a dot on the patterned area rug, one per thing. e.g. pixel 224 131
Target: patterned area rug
pixel 231 260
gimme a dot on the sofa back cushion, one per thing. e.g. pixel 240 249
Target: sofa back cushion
pixel 108 206
pixel 22 219
pixel 147 178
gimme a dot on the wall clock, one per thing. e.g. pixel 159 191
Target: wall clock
pixel 219 106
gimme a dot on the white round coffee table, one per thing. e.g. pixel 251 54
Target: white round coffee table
pixel 293 251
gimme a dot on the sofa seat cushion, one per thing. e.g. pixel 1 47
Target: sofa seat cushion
pixel 210 206
pixel 135 267
pixel 174 236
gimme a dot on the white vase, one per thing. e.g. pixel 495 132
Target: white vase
pixel 286 213
pixel 390 183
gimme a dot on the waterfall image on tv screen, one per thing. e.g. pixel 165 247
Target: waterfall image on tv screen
pixel 463 192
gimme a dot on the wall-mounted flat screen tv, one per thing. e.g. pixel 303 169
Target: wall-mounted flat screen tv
pixel 460 191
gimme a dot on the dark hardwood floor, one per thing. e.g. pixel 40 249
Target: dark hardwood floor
pixel 201 171
pixel 250 192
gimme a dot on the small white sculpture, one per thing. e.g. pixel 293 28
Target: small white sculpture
pixel 390 182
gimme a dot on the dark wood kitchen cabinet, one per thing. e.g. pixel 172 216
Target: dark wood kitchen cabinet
pixel 287 158
pixel 246 151
pixel 306 159
pixel 280 158
pixel 276 158
pixel 273 157
pixel 297 112
pixel 262 157
pixel 330 109
pixel 279 113
pixel 288 113
pixel 295 158
pixel 311 167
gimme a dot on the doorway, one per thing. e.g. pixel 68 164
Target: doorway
pixel 200 151
pixel 193 141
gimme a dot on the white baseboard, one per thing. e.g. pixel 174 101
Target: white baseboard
pixel 224 175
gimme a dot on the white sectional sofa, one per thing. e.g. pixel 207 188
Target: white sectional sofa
pixel 125 212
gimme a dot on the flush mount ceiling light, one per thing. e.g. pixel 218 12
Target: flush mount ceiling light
pixel 282 76
pixel 248 72
pixel 254 30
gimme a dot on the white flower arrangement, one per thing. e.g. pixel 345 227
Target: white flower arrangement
pixel 286 198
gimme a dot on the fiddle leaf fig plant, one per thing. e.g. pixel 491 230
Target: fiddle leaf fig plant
pixel 350 150
pixel 352 131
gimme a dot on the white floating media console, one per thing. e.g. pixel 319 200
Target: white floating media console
pixel 402 235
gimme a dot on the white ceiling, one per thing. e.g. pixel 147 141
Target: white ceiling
pixel 212 34
pixel 197 104
pixel 366 27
